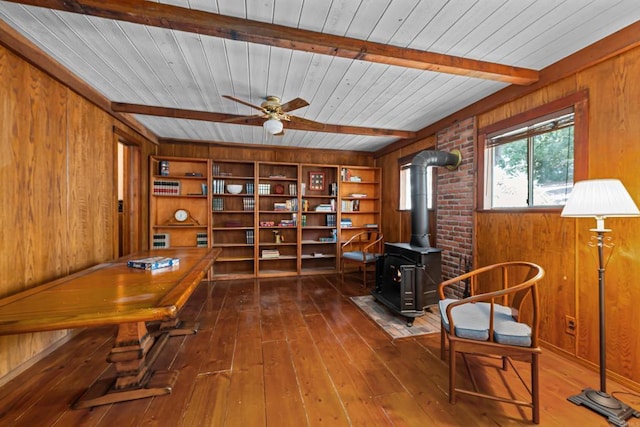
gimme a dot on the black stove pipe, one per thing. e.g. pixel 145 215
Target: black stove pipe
pixel 419 190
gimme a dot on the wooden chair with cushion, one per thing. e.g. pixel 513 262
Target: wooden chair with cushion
pixel 362 249
pixel 499 321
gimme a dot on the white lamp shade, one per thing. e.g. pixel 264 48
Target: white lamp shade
pixel 273 126
pixel 599 198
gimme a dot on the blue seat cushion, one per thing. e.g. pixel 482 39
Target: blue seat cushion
pixel 357 256
pixel 472 322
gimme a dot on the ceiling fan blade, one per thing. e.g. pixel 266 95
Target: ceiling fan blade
pixel 294 104
pixel 245 119
pixel 310 123
pixel 243 102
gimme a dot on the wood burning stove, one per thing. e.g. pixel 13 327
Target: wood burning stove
pixel 408 274
pixel 407 278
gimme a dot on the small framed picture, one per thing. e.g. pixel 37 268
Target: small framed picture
pixel 316 181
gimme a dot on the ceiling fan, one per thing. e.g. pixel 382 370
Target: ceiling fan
pixel 275 112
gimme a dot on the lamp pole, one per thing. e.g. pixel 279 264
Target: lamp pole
pixel 600 401
pixel 603 352
pixel 600 199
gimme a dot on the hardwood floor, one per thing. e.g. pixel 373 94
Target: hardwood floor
pixel 288 352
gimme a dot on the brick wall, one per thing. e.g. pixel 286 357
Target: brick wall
pixel 455 199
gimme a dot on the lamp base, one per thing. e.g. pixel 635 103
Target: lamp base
pixel 617 412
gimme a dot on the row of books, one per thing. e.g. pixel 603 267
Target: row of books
pixel 264 189
pixel 290 205
pixel 161 240
pixel 202 240
pixel 217 186
pixel 350 205
pixel 215 171
pixel 248 203
pixel 166 188
pixel 326 207
pixel 347 176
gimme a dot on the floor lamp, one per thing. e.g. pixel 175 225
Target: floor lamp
pixel 599 199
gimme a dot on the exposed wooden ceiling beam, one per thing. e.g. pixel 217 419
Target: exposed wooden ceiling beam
pixel 211 24
pixel 613 45
pixel 178 113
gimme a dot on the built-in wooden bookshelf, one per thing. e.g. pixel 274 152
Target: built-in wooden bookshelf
pixel 233 219
pixel 282 219
pixel 319 218
pixel 178 184
pixel 277 219
pixel 360 200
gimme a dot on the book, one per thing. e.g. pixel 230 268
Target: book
pixel 270 253
pixel 153 263
pixel 161 240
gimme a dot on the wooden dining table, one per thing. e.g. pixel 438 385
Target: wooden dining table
pixel 143 303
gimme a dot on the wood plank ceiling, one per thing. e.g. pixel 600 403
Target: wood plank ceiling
pixel 373 71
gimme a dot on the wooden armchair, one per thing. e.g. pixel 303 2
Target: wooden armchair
pixel 493 323
pixel 362 249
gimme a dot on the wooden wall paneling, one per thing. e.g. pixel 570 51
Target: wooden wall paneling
pixel 540 97
pixel 34 224
pixel 614 152
pixel 547 240
pixel 92 204
pixel 58 186
pixel 180 149
pixel 614 126
pixel 263 154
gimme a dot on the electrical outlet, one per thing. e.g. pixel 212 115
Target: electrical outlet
pixel 570 325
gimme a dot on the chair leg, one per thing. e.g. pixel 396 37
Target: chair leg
pixel 452 372
pixel 443 342
pixel 535 395
pixel 365 276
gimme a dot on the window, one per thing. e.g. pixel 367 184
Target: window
pixel 531 164
pixel 405 186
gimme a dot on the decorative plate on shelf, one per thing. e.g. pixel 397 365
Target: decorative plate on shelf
pixel 279 189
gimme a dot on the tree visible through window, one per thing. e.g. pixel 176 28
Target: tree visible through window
pixel 531 164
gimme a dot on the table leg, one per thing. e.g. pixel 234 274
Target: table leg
pixel 176 327
pixel 133 353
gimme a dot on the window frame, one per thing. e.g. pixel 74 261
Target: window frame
pixel 579 102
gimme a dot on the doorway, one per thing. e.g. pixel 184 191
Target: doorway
pixel 128 198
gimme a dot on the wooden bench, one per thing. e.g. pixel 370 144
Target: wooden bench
pixel 114 294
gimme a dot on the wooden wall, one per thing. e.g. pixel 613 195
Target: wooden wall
pixel 265 154
pixel 58 195
pixel 560 244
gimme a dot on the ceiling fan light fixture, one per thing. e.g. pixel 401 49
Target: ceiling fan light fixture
pixel 273 126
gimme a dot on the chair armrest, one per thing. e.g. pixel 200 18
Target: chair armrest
pixel 372 244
